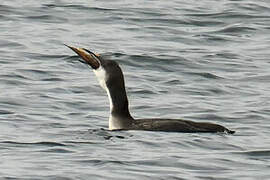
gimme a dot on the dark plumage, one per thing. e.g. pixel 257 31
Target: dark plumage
pixel 111 79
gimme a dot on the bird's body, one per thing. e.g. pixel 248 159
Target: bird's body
pixel 173 125
pixel 111 78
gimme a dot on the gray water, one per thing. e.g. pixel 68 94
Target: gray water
pixel 198 60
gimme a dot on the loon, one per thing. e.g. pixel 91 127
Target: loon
pixel 111 79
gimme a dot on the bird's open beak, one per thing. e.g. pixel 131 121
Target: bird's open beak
pixel 89 57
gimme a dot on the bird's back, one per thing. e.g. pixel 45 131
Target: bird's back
pixel 178 125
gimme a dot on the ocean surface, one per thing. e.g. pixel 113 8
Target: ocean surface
pixel 197 60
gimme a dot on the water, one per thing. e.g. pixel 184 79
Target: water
pixel 204 61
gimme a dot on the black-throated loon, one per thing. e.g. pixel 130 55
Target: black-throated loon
pixel 111 78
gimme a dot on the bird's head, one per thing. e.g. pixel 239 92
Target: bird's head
pixel 108 72
pixel 88 57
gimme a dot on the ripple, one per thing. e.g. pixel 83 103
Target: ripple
pixel 52 79
pixel 10 43
pixel 203 61
pixel 206 75
pixel 256 153
pixel 265 153
pixel 5 112
pixel 237 28
pixel 42 143
pixel 57 150
pixel 6 9
pixel 78 7
pixel 46 18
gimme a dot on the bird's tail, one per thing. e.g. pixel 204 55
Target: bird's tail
pixel 229 131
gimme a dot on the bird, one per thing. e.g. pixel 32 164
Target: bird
pixel 111 79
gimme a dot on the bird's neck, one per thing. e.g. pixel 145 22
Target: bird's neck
pixel 120 117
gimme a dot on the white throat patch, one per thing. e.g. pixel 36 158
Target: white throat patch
pixel 102 77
